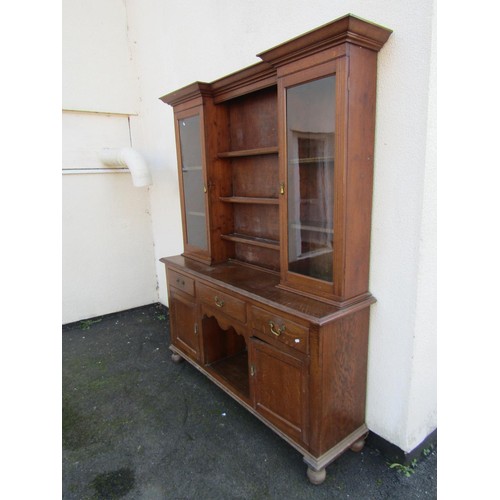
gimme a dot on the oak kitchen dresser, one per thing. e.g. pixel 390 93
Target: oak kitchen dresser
pixel 270 297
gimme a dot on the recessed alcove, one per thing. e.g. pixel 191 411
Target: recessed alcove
pixel 226 355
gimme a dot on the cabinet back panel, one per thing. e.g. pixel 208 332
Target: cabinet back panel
pixel 261 221
pixel 263 257
pixel 256 176
pixel 253 120
pixel 218 343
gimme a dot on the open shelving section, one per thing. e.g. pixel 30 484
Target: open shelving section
pixel 251 162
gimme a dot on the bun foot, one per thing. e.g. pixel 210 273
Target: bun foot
pixel 358 445
pixel 316 476
pixel 176 358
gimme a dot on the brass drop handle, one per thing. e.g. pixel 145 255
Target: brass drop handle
pixel 282 188
pixel 218 302
pixel 278 331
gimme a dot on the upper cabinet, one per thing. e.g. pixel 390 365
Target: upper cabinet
pixel 276 161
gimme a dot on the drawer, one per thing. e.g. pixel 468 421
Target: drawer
pixel 180 281
pixel 222 301
pixel 284 330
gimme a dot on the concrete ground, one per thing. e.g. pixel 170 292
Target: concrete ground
pixel 137 426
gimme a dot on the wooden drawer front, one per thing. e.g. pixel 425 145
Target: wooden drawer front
pixel 284 330
pixel 223 302
pixel 181 282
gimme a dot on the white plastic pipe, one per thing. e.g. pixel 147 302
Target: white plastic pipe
pixel 130 158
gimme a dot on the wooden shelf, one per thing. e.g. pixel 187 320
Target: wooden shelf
pixel 248 199
pixel 234 370
pixel 252 240
pixel 249 152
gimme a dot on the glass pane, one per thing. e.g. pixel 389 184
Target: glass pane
pixel 310 112
pixel 192 180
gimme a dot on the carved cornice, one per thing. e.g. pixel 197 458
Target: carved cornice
pixel 347 29
pixel 250 79
pixel 187 93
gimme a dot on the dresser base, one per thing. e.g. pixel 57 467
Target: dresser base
pixel 316 466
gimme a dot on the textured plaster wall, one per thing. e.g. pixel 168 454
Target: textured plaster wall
pixel 107 246
pixel 98 73
pixel 108 258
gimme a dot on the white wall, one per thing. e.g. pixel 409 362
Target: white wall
pixel 423 395
pixel 98 71
pixel 107 246
pixel 108 258
pixel 176 43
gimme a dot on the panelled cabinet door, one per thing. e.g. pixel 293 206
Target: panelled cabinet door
pixel 280 388
pixel 184 325
pixel 193 183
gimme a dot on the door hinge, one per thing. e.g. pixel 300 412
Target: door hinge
pixel 252 370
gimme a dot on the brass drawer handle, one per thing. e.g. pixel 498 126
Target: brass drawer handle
pixel 218 302
pixel 278 331
pixel 180 282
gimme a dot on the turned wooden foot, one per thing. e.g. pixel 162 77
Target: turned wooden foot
pixel 176 358
pixel 316 476
pixel 358 445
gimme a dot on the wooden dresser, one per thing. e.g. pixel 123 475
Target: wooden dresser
pixel 270 297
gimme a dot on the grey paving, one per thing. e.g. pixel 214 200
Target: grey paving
pixel 137 426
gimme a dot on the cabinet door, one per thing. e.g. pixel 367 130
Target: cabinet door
pixel 311 128
pixel 183 323
pixel 193 186
pixel 280 388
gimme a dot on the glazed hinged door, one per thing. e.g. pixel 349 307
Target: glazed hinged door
pixel 310 136
pixel 193 183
